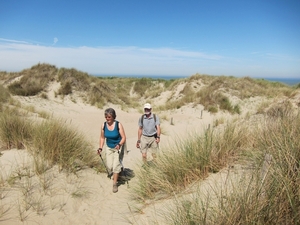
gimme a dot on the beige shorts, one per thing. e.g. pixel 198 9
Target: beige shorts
pixel 148 144
pixel 113 160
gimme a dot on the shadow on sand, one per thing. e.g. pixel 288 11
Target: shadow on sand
pixel 125 176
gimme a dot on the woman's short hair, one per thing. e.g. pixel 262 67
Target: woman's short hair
pixel 111 112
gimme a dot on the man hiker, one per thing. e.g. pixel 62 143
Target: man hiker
pixel 148 134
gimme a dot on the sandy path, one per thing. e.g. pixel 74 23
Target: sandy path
pixel 100 205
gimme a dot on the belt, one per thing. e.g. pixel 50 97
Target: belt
pixel 149 135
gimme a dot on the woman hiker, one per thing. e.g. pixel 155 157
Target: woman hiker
pixel 112 134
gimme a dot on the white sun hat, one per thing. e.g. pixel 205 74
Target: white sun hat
pixel 147 106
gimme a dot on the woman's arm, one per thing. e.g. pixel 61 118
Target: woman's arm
pixel 122 133
pixel 101 139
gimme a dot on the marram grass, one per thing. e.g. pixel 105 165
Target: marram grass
pixel 266 194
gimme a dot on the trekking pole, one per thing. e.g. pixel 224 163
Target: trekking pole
pixel 108 175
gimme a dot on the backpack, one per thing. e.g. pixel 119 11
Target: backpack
pixel 142 118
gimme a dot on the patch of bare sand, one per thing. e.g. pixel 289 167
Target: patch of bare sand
pixel 61 202
pixel 88 198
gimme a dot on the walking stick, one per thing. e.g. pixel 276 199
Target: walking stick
pixel 108 175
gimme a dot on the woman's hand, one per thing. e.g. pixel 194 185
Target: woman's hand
pixel 118 147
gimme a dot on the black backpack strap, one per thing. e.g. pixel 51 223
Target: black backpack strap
pixel 142 118
pixel 117 124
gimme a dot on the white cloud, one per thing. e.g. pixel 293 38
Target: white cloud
pixel 103 60
pixel 131 60
pixel 55 40
pixel 12 41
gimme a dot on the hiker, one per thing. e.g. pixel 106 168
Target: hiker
pixel 148 133
pixel 113 132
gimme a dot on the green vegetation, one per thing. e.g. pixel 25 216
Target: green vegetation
pixel 73 78
pixel 190 160
pixel 267 193
pixel 51 141
pixel 59 144
pixel 4 95
pixel 33 80
pixel 210 91
pixel 14 129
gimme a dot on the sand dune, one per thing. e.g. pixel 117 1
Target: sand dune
pixel 99 205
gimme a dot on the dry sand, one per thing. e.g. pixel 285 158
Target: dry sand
pixel 58 204
pixel 88 198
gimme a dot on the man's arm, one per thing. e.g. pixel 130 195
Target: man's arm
pixel 158 132
pixel 140 131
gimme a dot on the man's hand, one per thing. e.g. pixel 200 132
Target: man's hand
pixel 138 143
pixel 157 139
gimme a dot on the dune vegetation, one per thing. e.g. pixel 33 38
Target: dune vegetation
pixel 213 92
pixel 266 142
pixel 267 192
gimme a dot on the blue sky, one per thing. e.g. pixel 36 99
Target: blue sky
pixel 257 38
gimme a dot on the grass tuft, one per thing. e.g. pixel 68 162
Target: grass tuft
pixel 266 194
pixel 60 144
pixel 14 129
pixel 191 160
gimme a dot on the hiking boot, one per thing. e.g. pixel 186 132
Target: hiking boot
pixel 115 188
